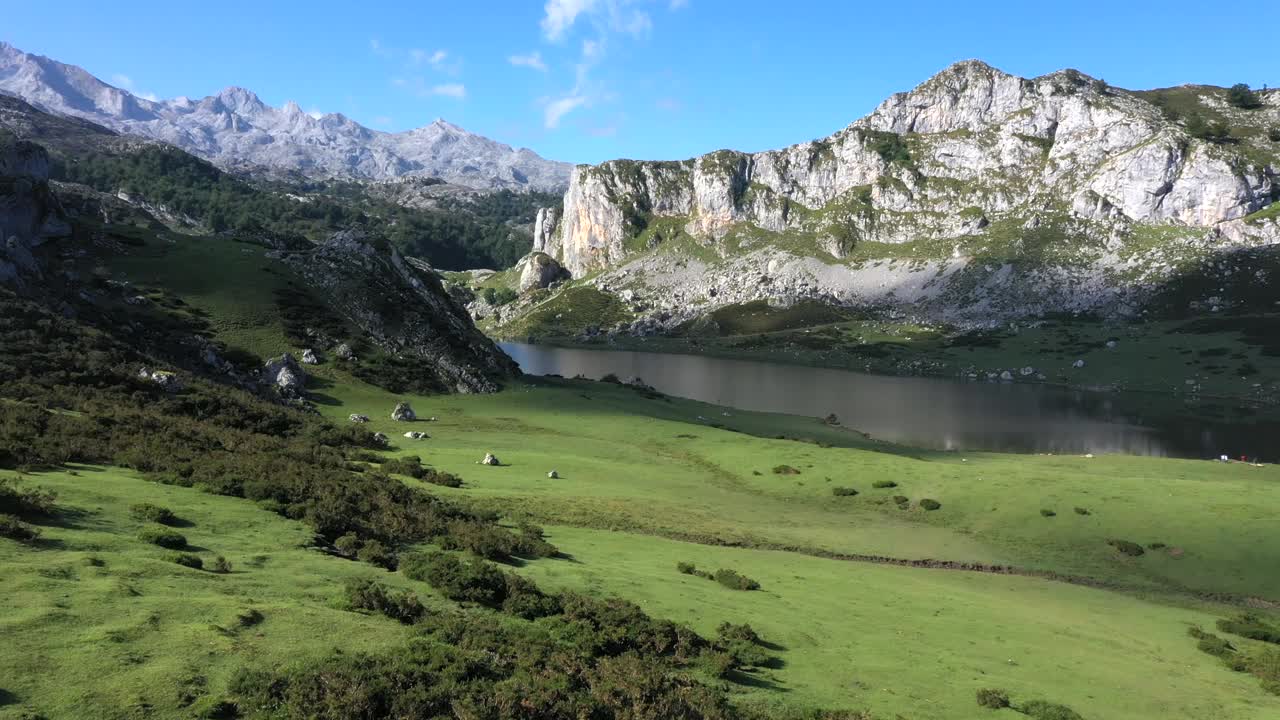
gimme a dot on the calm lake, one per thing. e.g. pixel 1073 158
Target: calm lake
pixel 931 412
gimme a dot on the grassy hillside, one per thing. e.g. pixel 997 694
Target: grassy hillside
pixel 1017 579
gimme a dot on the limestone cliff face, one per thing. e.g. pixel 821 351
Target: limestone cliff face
pixel 968 148
pixel 30 214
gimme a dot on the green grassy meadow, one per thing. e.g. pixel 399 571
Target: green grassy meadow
pixel 92 616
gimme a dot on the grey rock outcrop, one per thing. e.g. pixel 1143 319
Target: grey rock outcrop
pixel 286 375
pixel 538 270
pixel 30 214
pixel 309 357
pixel 358 418
pixel 490 459
pixel 403 413
pixel 236 130
pixel 344 352
pixel 168 381
pixel 404 311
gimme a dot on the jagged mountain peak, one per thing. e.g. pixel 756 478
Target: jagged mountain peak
pixel 236 128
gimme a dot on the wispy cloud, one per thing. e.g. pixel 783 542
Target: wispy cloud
pixel 453 90
pixel 418 56
pixel 532 60
pixel 557 109
pixel 677 4
pixel 315 113
pixel 559 16
pixel 125 82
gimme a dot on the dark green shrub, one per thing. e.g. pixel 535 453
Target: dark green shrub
pixel 375 553
pixel 1274 135
pixel 1044 710
pixel 1251 626
pixel 1211 644
pixel 23 502
pixel 152 513
pixel 524 599
pixel 371 595
pixel 993 698
pixel 1081 511
pixel 14 529
pixel 843 491
pixel 1046 512
pixel 686 568
pixel 901 501
pixel 249 617
pixel 1132 549
pixel 163 537
pixel 734 581
pixel 473 581
pixel 717 663
pixel 221 565
pixel 881 484
pixel 1242 97
pixel 499 296
pixel 187 560
pixel 1155 545
pixel 930 504
pixel 438 477
pixel 347 545
pixel 727 633
pixel 611 378
pixel 785 470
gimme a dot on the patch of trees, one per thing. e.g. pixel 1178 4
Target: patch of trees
pixel 485 231
pixel 1241 96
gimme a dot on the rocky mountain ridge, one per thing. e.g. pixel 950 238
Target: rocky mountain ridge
pixel 977 196
pixel 236 130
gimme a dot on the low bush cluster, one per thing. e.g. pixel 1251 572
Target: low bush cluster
pixel 733 580
pixel 882 484
pixel 373 596
pixel 1046 512
pixel 1126 547
pixel 1263 662
pixel 187 560
pixel 149 512
pixel 1045 710
pixel 12 527
pixel 785 470
pixel 930 504
pixel 728 578
pixel 24 502
pixel 1081 511
pixel 1251 626
pixel 164 537
pixel 843 491
pixel 412 466
pixel 993 698
pixel 221 565
pixel 902 501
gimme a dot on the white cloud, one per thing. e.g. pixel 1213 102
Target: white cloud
pixel 677 4
pixel 419 56
pixel 532 60
pixel 557 109
pixel 315 113
pixel 453 90
pixel 125 82
pixel 561 15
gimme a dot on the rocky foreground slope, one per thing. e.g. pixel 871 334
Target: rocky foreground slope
pixel 59 241
pixel 237 131
pixel 975 198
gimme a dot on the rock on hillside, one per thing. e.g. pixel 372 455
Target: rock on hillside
pixel 236 130
pixel 403 309
pixel 977 193
pixel 30 214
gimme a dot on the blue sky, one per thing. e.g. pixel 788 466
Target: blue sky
pixel 589 80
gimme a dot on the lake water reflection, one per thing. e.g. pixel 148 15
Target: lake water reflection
pixel 923 412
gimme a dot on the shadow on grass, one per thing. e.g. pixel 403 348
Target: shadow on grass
pixel 742 677
pixel 7 698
